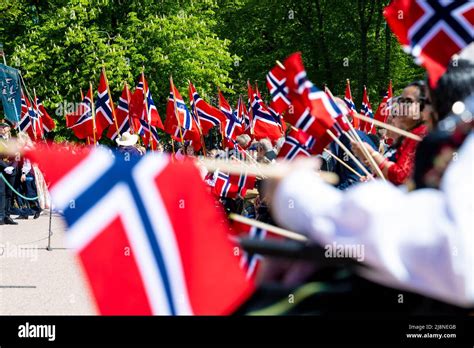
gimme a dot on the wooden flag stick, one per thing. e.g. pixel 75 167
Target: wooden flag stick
pixel 367 154
pixel 132 126
pixel 388 126
pixel 277 170
pixel 349 153
pixel 342 162
pixel 94 129
pixel 271 228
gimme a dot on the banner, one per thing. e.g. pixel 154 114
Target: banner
pixel 11 92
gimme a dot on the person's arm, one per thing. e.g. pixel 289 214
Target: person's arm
pixel 409 242
pixel 398 172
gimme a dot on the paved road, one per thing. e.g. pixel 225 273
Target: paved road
pixel 35 281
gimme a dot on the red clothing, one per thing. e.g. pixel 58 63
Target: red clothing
pixel 399 172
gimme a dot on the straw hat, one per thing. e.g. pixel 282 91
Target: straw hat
pixel 127 139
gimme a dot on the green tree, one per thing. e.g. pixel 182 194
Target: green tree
pixel 61 46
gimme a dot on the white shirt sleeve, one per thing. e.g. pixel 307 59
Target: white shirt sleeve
pixel 26 167
pixel 420 241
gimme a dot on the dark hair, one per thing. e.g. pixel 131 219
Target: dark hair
pixel 457 83
pixel 421 85
pixel 375 139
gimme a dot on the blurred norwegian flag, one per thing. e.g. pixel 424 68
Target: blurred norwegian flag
pixel 148 245
pixel 432 30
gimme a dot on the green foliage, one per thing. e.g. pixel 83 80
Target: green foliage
pixel 330 35
pixel 59 45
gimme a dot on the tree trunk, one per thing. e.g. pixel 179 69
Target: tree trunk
pixel 323 47
pixel 388 51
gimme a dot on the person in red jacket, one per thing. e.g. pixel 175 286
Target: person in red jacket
pixel 411 108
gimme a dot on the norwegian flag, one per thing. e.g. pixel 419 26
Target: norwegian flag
pixel 207 115
pixel 383 111
pixel 300 116
pixel 366 110
pixel 250 94
pixel 36 121
pixel 26 122
pixel 103 105
pixel 46 120
pixel 142 251
pixel 179 121
pixel 297 143
pixel 249 262
pixel 432 30
pixel 341 123
pixel 307 93
pixel 231 127
pixel 243 116
pixel 142 105
pixel 232 185
pixel 122 114
pixel 149 134
pixel 243 181
pixel 265 125
pixel 81 121
pixel 351 106
pixel 276 83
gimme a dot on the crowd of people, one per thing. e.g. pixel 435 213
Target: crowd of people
pixel 19 180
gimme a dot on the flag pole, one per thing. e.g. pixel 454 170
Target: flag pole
pixel 176 111
pixel 349 153
pixel 110 98
pixel 93 114
pixel 389 127
pixel 271 228
pixel 132 126
pixel 366 153
pixel 222 130
pixel 146 109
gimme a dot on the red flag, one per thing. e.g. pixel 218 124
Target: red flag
pixel 103 105
pixel 179 122
pixel 47 121
pixel 122 114
pixel 276 83
pixel 383 112
pixel 340 119
pixel 37 121
pixel 265 123
pixel 232 185
pixel 231 128
pixel 142 105
pixel 309 103
pixel 81 121
pixel 208 115
pixel 297 143
pixel 172 265
pixel 432 31
pixel 351 106
pixel 366 110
